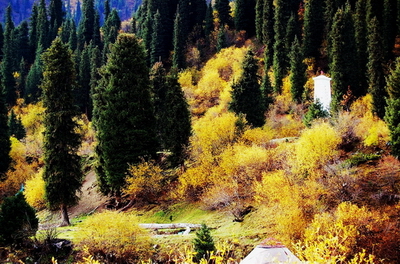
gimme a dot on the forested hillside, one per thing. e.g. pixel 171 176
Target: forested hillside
pixel 205 105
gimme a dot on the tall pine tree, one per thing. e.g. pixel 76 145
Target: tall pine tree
pixel 297 71
pixel 247 98
pixel 5 144
pixel 86 24
pixel 62 170
pixel 224 12
pixel 245 16
pixel 124 117
pixel 313 28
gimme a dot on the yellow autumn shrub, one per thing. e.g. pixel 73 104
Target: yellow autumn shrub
pixel 316 147
pixel 145 180
pixel 332 238
pixel 35 191
pixel 112 233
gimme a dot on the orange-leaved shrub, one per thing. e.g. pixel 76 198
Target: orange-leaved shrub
pixel 113 237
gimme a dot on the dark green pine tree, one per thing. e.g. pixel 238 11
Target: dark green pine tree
pixel 224 12
pixel 313 28
pixel 179 41
pixel 245 16
pixel 22 42
pixel 5 144
pixel 392 116
pixel 203 243
pixel 96 30
pixel 292 31
pixel 141 16
pixel 388 30
pixel 21 80
pixel 86 24
pixel 247 98
pixel 158 50
pixel 178 127
pixel 82 91
pixel 7 67
pixel 42 26
pixel 66 28
pixel 107 9
pixel 343 57
pixel 360 26
pixel 267 90
pixel 124 117
pixel 16 129
pixel 209 21
pixel 376 75
pixel 33 37
pixel 73 37
pixel 280 52
pixel 56 17
pixel 34 78
pixel 62 170
pixel 297 72
pixel 221 39
pixel 259 20
pixel 268 32
pixel 110 32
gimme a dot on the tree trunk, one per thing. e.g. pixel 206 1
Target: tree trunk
pixel 64 216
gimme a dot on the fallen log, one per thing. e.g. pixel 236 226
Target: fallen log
pixel 187 227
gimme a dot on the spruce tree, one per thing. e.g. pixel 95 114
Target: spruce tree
pixel 22 42
pixel 259 20
pixel 110 32
pixel 268 32
pixel 376 75
pixel 313 28
pixel 56 17
pixel 82 91
pixel 246 93
pixel 360 25
pixel 86 24
pixel 33 38
pixel 221 39
pixel 124 117
pixel 1 41
pixel 158 50
pixel 178 126
pixel 224 12
pixel 42 26
pixel 203 243
pixel 343 57
pixel 280 52
pixel 179 41
pixel 62 170
pixel 34 78
pixel 297 72
pixel 392 115
pixel 16 129
pixel 7 66
pixel 292 31
pixel 5 144
pixel 245 16
pixel 209 21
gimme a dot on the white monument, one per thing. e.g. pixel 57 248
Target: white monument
pixel 322 91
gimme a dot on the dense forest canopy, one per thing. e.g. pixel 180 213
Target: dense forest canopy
pixel 211 104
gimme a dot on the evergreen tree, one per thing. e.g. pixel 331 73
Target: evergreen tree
pixel 18 220
pixel 246 93
pixel 42 26
pixel 268 32
pixel 315 110
pixel 221 39
pixel 376 75
pixel 62 170
pixel 22 42
pixel 82 92
pixel 33 37
pixel 34 78
pixel 158 50
pixel 73 38
pixel 224 12
pixel 107 9
pixel 392 116
pixel 16 129
pixel 292 31
pixel 297 72
pixel 110 31
pixel 5 144
pixel 313 28
pixel 360 25
pixel 1 41
pixel 7 66
pixel 179 41
pixel 259 20
pixel 96 30
pixel 124 117
pixel 23 73
pixel 209 21
pixel 343 57
pixel 86 24
pixel 177 117
pixel 245 16
pixel 280 53
pixel 388 30
pixel 203 243
pixel 56 17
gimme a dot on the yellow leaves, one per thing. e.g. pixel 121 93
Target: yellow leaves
pixel 35 191
pixel 315 148
pixel 114 233
pixel 144 179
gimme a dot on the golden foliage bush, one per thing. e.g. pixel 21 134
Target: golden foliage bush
pixel 334 238
pixel 315 148
pixel 35 191
pixel 259 136
pixel 145 180
pixel 21 170
pixel 112 237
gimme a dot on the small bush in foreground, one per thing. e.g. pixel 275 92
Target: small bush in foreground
pixel 114 237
